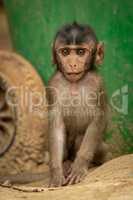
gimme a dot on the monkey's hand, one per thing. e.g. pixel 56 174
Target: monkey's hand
pixel 78 171
pixel 57 178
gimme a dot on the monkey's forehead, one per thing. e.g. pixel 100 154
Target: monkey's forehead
pixel 88 45
pixel 75 35
pixel 75 39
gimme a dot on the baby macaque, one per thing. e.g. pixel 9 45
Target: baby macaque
pixel 78 105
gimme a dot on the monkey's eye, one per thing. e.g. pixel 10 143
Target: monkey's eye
pixel 80 52
pixel 65 51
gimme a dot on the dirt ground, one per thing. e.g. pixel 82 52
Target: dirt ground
pixel 111 181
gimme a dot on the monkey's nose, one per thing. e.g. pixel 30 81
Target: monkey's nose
pixel 73 66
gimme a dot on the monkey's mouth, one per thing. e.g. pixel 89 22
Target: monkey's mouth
pixel 74 73
pixel 74 76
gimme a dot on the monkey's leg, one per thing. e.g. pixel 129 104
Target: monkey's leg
pixel 101 154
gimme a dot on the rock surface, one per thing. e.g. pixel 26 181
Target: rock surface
pixel 111 181
pixel 24 88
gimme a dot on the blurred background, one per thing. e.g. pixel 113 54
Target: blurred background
pixel 32 26
pixel 5 42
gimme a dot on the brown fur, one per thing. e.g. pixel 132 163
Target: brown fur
pixel 77 111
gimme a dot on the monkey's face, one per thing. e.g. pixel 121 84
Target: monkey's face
pixel 74 60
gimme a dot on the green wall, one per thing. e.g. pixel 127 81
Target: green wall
pixel 34 23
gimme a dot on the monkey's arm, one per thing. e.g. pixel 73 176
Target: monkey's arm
pixel 56 146
pixel 56 135
pixel 91 141
pixel 92 138
pixel 94 132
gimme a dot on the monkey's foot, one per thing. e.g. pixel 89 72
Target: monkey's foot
pixel 77 173
pixel 76 176
pixel 67 167
pixel 57 180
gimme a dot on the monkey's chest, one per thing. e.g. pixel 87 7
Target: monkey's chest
pixel 78 110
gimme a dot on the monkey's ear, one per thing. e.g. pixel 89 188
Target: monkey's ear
pixel 99 53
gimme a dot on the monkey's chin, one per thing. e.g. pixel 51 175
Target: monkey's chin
pixel 74 77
